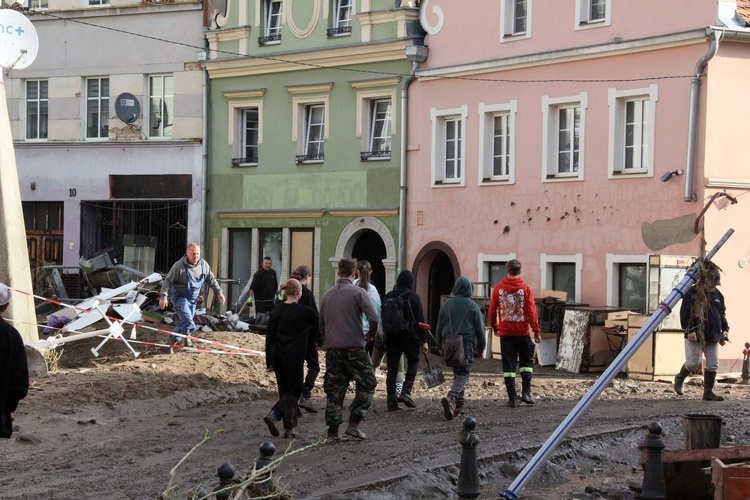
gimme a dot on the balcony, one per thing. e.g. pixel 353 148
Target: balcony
pixel 310 158
pixel 340 31
pixel 245 162
pixel 272 39
pixel 375 155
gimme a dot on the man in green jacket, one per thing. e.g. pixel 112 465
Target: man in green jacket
pixel 460 314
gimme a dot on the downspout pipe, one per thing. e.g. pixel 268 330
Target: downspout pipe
pixel 204 146
pixel 695 84
pixel 402 189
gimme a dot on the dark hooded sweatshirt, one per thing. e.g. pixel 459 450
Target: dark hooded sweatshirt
pixel 465 315
pixel 404 284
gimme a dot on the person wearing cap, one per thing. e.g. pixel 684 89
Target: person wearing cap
pixel 14 371
pixel 703 318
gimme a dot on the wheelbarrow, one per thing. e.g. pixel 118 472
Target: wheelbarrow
pixel 433 375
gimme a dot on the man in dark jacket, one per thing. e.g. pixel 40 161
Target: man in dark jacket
pixel 703 317
pixel 263 286
pixel 409 343
pixel 14 372
pixel 461 315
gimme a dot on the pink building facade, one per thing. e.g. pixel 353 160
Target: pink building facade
pixel 547 135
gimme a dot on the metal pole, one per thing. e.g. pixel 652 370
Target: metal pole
pixel 610 373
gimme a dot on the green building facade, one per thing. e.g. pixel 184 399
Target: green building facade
pixel 304 136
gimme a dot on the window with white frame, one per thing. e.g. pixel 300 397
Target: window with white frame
pixel 245 126
pixel 93 3
pixel 375 124
pixel 496 142
pixel 593 13
pixel 449 148
pixel 342 18
pixel 563 137
pixel 97 108
pixel 379 137
pixel 310 119
pixel 272 12
pixel 161 105
pixel 515 19
pixel 562 273
pixel 38 4
pixel 249 133
pixel 37 109
pixel 627 282
pixel 631 131
pixel 314 134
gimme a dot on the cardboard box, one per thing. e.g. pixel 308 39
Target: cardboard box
pixel 619 315
pixel 641 364
pixel 637 320
pixel 562 296
pixel 616 323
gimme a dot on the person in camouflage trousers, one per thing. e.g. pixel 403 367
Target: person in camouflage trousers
pixel 341 310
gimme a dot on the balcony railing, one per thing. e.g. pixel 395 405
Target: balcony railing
pixel 340 31
pixel 310 158
pixel 269 39
pixel 374 155
pixel 245 162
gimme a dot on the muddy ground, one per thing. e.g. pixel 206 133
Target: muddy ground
pixel 113 427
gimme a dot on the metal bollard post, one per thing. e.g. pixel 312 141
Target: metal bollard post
pixel 468 473
pixel 653 470
pixel 226 475
pixel 746 364
pixel 267 449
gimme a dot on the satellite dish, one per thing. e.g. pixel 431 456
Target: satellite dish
pixel 127 107
pixel 19 43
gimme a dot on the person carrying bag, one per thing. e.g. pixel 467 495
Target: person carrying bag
pixel 458 344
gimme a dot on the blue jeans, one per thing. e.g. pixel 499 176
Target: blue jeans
pixel 461 376
pixel 185 310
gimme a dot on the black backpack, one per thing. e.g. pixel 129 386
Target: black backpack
pixel 393 313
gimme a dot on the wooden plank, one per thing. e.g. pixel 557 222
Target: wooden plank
pixel 572 340
pixel 736 453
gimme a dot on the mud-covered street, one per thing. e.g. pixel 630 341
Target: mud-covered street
pixel 114 426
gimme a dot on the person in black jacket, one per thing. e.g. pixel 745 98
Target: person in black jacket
pixel 303 275
pixel 14 371
pixel 289 327
pixel 703 317
pixel 408 343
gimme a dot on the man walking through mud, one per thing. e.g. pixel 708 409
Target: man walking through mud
pixel 341 310
pixel 513 318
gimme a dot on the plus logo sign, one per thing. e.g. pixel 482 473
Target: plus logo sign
pixel 13 30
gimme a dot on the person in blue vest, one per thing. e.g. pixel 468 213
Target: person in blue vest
pixel 182 286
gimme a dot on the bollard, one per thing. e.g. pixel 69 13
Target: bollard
pixel 468 473
pixel 267 449
pixel 653 470
pixel 226 475
pixel 746 364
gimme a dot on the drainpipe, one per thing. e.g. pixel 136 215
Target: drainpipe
pixel 694 91
pixel 204 146
pixel 416 54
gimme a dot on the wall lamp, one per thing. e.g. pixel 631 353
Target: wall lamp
pixel 669 175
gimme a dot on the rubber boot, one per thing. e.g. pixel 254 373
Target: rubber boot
pixel 708 384
pixel 405 396
pixel 510 385
pixel 679 379
pixel 392 402
pixel 526 390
